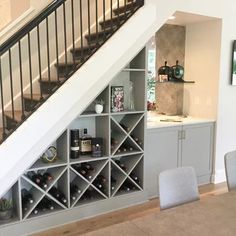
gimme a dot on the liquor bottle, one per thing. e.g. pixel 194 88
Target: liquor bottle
pixel 97 147
pixel 74 144
pixel 47 177
pixel 113 183
pixel 85 144
pixel 27 197
pixel 121 165
pixel 58 195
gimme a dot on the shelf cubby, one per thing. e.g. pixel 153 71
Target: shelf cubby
pixel 118 175
pixel 37 194
pixel 13 195
pixel 44 211
pixel 104 96
pixel 128 186
pixel 91 195
pixel 97 126
pixel 80 183
pixel 61 185
pixel 102 186
pixel 127 122
pixel 62 148
pixel 127 147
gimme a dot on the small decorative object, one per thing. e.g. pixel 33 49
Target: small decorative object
pixel 6 209
pixel 233 76
pixel 177 72
pixel 164 73
pixel 50 155
pixel 117 98
pixel 99 106
pixel 131 94
pixel 97 144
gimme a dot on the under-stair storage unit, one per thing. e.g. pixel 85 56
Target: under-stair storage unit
pixel 59 188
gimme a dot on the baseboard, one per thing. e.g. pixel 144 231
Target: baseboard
pixel 219 176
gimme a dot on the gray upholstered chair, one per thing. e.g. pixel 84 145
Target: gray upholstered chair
pixel 230 169
pixel 177 186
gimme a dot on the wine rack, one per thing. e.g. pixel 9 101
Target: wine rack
pixel 65 183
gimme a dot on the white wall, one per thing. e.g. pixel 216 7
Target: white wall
pixel 202 65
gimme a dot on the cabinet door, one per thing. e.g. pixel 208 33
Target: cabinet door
pixel 197 146
pixel 162 151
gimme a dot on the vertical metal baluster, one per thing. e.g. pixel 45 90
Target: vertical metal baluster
pixel 81 31
pixel 125 4
pixel 39 59
pixel 73 29
pixel 89 30
pixel 11 85
pixel 111 13
pixel 2 102
pixel 56 35
pixel 30 68
pixel 48 53
pixel 65 37
pixel 118 16
pixel 104 19
pixel 21 82
pixel 96 12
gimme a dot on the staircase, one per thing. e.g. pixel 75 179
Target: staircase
pixel 43 70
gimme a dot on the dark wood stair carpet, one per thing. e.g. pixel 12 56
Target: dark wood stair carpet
pixel 114 22
pixel 86 51
pixel 100 36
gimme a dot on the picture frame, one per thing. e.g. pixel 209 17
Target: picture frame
pixel 233 70
pixel 117 98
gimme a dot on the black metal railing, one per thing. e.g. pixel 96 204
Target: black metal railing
pixel 42 55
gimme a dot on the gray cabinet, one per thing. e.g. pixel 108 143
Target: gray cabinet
pixel 183 145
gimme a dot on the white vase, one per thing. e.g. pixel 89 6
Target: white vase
pixel 98 108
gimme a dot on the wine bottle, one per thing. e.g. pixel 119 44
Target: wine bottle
pixel 27 197
pixel 126 128
pixel 46 204
pixel 34 177
pixel 47 177
pixel 35 211
pixel 113 183
pixel 83 171
pixel 74 144
pixel 128 186
pixel 121 165
pixel 74 191
pixel 58 195
pixel 86 143
pixel 135 178
pixel 42 182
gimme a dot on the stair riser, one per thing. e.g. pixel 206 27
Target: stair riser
pixel 10 123
pixel 129 7
pixel 47 87
pixel 30 105
pixel 112 23
pixel 100 38
pixel 63 71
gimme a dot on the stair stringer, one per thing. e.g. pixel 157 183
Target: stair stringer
pixel 26 144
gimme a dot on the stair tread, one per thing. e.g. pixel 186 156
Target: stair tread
pixel 127 7
pixel 121 17
pixel 61 64
pixel 85 48
pixel 17 115
pixel 101 32
pixel 35 97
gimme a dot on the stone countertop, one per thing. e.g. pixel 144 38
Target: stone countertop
pixel 155 120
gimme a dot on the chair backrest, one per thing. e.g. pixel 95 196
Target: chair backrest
pixel 177 186
pixel 230 169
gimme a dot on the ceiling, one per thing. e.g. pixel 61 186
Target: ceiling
pixel 183 18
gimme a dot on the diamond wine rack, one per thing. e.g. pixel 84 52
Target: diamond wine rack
pixel 120 169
